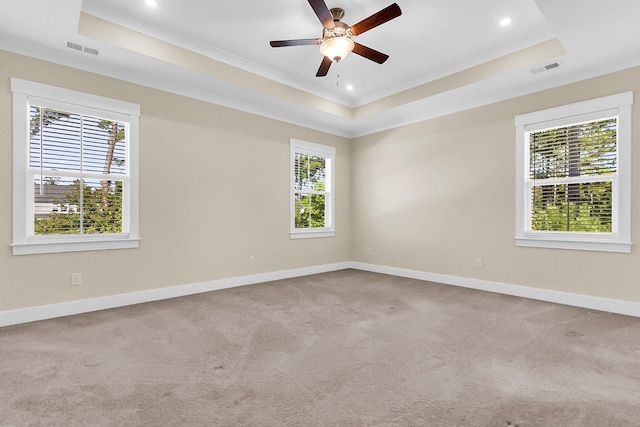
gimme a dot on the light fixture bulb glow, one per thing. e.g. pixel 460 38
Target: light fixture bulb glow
pixel 336 48
pixel 505 22
pixel 151 3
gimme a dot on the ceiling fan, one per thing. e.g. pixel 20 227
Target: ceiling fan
pixel 337 37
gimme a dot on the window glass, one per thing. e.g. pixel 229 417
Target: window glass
pixel 311 189
pixel 582 155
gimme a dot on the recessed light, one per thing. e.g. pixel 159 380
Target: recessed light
pixel 350 87
pixel 505 22
pixel 151 3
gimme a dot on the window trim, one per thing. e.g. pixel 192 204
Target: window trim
pixel 25 91
pixel 329 153
pixel 619 240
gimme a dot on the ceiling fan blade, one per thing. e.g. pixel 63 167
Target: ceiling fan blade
pixel 323 14
pixel 324 67
pixel 369 53
pixel 296 42
pixel 386 14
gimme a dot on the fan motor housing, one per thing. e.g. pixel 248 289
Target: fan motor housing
pixel 337 13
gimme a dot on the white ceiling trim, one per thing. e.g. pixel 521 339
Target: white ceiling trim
pixel 266 91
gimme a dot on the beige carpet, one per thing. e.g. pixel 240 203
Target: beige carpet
pixel 348 348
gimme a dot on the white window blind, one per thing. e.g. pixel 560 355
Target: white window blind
pixel 572 171
pixel 79 170
pixel 311 190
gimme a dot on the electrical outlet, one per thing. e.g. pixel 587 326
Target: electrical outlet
pixel 76 279
pixel 479 263
pixel 252 259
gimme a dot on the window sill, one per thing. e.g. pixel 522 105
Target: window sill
pixel 309 234
pixel 55 246
pixel 581 245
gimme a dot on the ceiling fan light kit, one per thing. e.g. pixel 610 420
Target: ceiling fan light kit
pixel 336 42
pixel 337 37
pixel 336 48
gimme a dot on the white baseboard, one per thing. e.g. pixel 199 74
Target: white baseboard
pixel 585 301
pixel 31 314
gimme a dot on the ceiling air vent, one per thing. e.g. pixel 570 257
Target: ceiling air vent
pixel 76 46
pixel 80 48
pixel 90 50
pixel 547 67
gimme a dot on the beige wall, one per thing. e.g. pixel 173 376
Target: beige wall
pixel 214 189
pixel 436 195
pixel 433 197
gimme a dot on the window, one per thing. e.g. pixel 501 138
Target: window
pixel 312 201
pixel 75 170
pixel 573 176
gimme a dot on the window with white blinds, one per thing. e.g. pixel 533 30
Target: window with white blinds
pixel 76 170
pixel 572 170
pixel 312 199
pixel 78 166
pixel 573 176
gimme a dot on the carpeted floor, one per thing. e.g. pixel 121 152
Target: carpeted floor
pixel 348 348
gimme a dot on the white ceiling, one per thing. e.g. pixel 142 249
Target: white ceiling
pixel 445 55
